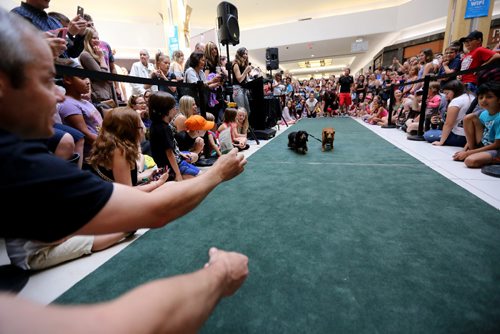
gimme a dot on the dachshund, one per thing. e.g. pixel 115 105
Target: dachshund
pixel 297 141
pixel 328 136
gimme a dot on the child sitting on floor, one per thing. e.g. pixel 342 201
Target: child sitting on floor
pixel 432 104
pixel 242 124
pixel 163 144
pixel 239 140
pixel 212 146
pixel 483 131
pixel 287 114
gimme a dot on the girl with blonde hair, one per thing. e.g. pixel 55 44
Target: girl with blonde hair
pixel 93 58
pixel 239 141
pixel 177 65
pixel 242 122
pixel 187 108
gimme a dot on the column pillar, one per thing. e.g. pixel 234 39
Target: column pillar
pixel 458 26
pixel 173 17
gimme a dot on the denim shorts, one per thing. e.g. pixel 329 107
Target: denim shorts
pixel 495 154
pixel 188 169
pixel 455 140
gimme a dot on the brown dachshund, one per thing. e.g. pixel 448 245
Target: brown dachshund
pixel 327 139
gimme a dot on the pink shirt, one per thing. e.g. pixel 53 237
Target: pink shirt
pixel 382 112
pixel 434 102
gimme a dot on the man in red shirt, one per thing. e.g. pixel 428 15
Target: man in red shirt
pixel 346 87
pixel 476 56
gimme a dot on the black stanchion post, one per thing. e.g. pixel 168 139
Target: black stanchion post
pixel 201 95
pixel 228 66
pixel 389 124
pixel 419 136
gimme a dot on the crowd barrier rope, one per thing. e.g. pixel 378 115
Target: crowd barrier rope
pixel 200 87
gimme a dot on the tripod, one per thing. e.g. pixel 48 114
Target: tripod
pixel 229 92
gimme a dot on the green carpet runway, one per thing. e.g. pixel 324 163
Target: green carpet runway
pixel 365 239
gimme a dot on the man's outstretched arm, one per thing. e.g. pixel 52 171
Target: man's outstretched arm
pixel 129 209
pixel 180 304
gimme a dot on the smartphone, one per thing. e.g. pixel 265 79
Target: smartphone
pixel 62 33
pixel 79 11
pixel 157 174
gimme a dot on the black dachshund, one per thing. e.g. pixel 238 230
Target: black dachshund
pixel 297 141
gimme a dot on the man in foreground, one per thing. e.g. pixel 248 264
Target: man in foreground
pixel 88 205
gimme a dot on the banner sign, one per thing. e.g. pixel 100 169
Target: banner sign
pixel 477 8
pixel 173 40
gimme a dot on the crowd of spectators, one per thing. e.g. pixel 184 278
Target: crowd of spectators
pixel 449 100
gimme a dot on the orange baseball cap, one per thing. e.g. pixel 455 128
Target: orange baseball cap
pixel 197 122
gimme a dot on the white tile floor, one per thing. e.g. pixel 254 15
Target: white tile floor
pixel 46 286
pixel 439 158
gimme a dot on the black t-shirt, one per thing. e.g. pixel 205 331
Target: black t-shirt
pixel 242 69
pixel 48 198
pixel 184 141
pixel 210 67
pixel 329 98
pixel 161 138
pixel 345 83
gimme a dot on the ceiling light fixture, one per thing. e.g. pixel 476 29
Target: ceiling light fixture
pixel 315 63
pixel 304 69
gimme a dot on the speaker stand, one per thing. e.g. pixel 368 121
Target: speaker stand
pixel 253 135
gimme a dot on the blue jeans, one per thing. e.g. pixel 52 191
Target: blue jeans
pixel 188 169
pixel 241 98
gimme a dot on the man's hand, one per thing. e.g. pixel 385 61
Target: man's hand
pixel 56 44
pixel 233 268
pixel 77 26
pixel 229 165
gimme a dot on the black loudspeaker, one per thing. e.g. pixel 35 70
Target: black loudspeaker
pixel 227 23
pixel 272 60
pixel 265 134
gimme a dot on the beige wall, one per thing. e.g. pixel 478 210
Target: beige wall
pixel 458 27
